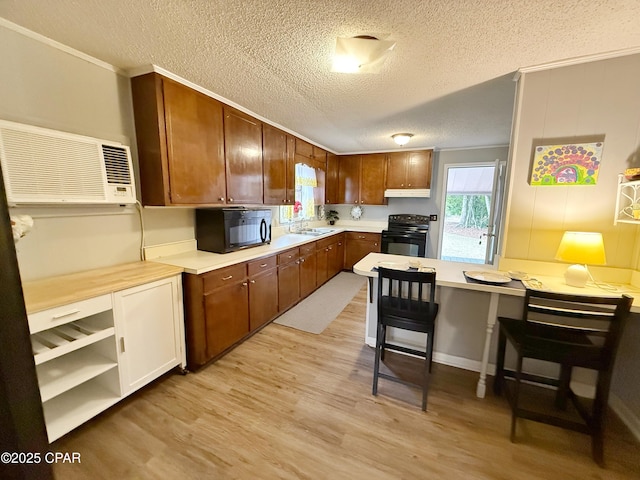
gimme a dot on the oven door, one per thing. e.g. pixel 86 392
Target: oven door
pixel 409 244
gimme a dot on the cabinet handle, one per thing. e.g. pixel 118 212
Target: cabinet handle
pixel 409 184
pixel 402 184
pixel 227 278
pixel 375 244
pixel 362 236
pixel 263 265
pixel 65 314
pixel 244 284
pixel 331 248
pixel 121 344
pixel 252 281
pixel 302 260
pixel 231 199
pixel 221 199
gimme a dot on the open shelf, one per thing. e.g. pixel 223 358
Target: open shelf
pixel 69 371
pixel 76 406
pixel 628 195
pixel 58 341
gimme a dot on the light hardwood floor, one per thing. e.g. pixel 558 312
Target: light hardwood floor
pixel 293 405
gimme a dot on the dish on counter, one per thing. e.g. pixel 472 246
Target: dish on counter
pixel 394 265
pixel 518 275
pixel 488 277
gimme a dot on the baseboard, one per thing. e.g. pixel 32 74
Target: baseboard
pixel 626 415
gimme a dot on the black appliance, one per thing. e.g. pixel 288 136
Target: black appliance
pixel 407 234
pixel 223 230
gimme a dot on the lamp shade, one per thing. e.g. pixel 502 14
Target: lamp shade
pixel 402 138
pixel 585 248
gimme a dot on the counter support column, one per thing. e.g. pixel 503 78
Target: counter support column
pixel 492 317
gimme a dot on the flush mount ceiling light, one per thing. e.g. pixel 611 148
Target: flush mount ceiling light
pixel 402 138
pixel 361 54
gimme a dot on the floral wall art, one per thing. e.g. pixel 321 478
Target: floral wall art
pixel 569 164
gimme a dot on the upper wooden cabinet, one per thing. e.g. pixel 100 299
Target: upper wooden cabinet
pixel 331 179
pixel 409 169
pixel 310 154
pixel 243 156
pixel 361 179
pixel 278 152
pixel 180 143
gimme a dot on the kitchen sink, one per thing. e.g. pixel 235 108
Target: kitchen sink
pixel 316 231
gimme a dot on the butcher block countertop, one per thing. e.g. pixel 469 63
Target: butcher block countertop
pixel 63 289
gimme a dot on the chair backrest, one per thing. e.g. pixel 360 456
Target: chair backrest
pixel 584 329
pixel 406 294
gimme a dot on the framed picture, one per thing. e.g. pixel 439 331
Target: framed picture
pixel 568 164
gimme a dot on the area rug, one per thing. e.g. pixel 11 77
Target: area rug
pixel 318 310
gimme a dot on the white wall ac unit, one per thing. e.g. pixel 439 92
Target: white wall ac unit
pixel 42 166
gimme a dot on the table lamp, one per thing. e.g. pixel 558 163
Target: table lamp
pixel 581 248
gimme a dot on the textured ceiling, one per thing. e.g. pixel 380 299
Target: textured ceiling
pixel 448 80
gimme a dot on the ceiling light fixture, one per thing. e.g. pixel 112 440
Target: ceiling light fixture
pixel 361 54
pixel 402 138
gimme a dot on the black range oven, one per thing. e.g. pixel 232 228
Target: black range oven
pixel 407 234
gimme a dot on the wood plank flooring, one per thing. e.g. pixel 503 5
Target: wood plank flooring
pixel 293 405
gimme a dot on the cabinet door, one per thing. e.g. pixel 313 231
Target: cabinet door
pixel 263 298
pixel 419 169
pixel 307 274
pixel 349 179
pixel 288 285
pixel 396 170
pixel 278 170
pixel 331 179
pixel 194 133
pixel 148 320
pixel 227 317
pixel 243 156
pixel 358 246
pixel 336 256
pixel 372 179
pixel 322 265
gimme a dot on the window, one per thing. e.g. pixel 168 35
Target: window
pixel 303 208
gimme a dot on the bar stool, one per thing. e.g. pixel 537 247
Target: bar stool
pixel 571 331
pixel 406 300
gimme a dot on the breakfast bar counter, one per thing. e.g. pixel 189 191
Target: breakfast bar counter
pixel 459 333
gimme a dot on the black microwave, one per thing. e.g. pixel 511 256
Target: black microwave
pixel 227 229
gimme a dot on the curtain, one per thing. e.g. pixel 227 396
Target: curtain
pixel 304 184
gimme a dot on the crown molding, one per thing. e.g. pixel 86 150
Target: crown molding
pixel 578 60
pixel 59 46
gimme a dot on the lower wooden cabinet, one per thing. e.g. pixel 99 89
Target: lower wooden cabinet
pixel 225 306
pixel 288 278
pixel 358 245
pixel 263 292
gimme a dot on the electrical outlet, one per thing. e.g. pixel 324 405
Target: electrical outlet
pixel 433 218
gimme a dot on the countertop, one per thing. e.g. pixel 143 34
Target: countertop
pixel 451 274
pixel 198 262
pixel 64 289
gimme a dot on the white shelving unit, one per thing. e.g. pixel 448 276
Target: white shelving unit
pixel 92 353
pixel 628 194
pixel 76 362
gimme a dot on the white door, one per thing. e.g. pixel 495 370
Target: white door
pixel 148 329
pixel 472 201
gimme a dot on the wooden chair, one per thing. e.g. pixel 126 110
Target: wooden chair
pixel 571 331
pixel 406 300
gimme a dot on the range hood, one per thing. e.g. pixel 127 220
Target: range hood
pixel 408 192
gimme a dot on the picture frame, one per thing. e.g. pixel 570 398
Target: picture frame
pixel 566 164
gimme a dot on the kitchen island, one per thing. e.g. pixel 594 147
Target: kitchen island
pixel 468 310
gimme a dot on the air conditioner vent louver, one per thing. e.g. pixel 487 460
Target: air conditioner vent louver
pixel 46 166
pixel 116 163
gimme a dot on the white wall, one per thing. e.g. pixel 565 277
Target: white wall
pixel 44 86
pixel 589 99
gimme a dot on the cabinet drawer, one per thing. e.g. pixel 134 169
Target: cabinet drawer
pixel 288 256
pixel 68 313
pixel 224 276
pixel 366 236
pixel 261 265
pixel 325 242
pixel 307 248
